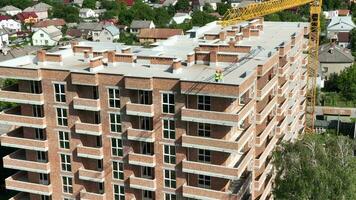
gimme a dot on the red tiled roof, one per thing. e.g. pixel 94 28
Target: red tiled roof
pixel 343 37
pixel 159 33
pixel 128 2
pixel 344 12
pixel 25 15
pixel 74 32
pixel 4 17
pixel 49 22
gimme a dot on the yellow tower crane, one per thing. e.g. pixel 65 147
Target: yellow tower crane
pixel 254 10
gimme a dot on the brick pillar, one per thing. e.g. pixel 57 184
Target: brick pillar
pixel 86 56
pixel 213 58
pixel 246 32
pixel 111 58
pixel 126 50
pixel 222 35
pixel 96 63
pixel 177 66
pixel 190 59
pixel 73 44
pixel 41 56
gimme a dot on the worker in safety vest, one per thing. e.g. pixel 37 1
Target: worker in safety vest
pixel 218 75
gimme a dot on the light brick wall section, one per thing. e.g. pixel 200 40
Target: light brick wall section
pixel 225 99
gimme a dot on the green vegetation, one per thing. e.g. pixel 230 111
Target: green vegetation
pixel 127 38
pixel 89 4
pixel 22 4
pixel 6 83
pixel 66 12
pixel 340 90
pixel 317 167
pixel 353 41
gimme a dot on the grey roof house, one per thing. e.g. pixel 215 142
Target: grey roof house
pixel 137 25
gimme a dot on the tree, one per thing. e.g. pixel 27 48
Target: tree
pixel 66 12
pixel 331 84
pixel 353 40
pixel 200 18
pixel 182 5
pixel 222 8
pixel 22 4
pixel 347 83
pixel 318 167
pixel 89 4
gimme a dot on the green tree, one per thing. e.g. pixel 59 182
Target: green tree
pixel 222 8
pixel 89 4
pixel 347 83
pixel 353 40
pixel 162 17
pixel 22 4
pixel 182 5
pixel 331 84
pixel 200 18
pixel 127 38
pixel 318 167
pixel 66 12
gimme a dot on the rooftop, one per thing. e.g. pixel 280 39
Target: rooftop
pixel 177 48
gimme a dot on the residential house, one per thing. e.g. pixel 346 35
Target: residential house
pixel 157 34
pixel 7 22
pixel 343 39
pixel 10 10
pixel 87 13
pixel 122 27
pixel 16 52
pixel 137 25
pixel 99 12
pixel 41 10
pixel 78 2
pixel 48 36
pixel 169 2
pixel 90 30
pixel 4 39
pixel 180 18
pixel 344 12
pixel 109 34
pixel 340 24
pixel 74 33
pixel 333 59
pixel 27 17
pixel 199 4
pixel 58 23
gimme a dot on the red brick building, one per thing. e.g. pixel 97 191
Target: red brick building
pixel 109 121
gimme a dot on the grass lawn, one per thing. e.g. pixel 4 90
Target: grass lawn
pixel 335 99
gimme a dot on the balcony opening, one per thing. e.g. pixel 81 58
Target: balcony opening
pixel 26 110
pixel 89 117
pixel 241 186
pixel 91 141
pixel 147 172
pixel 209 103
pixel 140 97
pixel 146 148
pixel 87 92
pixel 24 86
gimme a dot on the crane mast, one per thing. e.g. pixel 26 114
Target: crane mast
pixel 251 11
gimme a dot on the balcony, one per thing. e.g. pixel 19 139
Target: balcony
pixel 16 139
pixel 260 117
pixel 282 71
pixel 87 128
pixel 13 95
pixel 142 159
pixel 263 136
pixel 21 196
pixel 142 183
pixel 303 105
pixel 18 161
pixel 267 88
pixel 214 117
pixel 139 109
pixel 282 108
pixel 292 126
pixel 13 117
pixel 86 104
pixel 263 177
pixel 222 145
pixel 292 110
pixel 91 175
pixel 90 152
pixel 268 150
pixel 209 169
pixel 19 182
pixel 293 93
pixel 282 90
pixel 84 79
pixel 140 135
pixel 84 195
pixel 267 189
pixel 282 127
pixel 303 91
pixel 202 193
